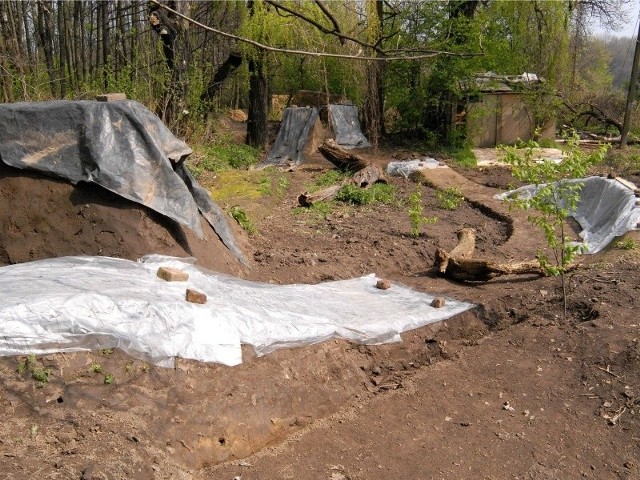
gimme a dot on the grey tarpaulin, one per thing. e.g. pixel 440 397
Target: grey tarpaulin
pixel 120 146
pixel 293 136
pixel 606 209
pixel 346 126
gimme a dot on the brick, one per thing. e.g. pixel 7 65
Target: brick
pixel 172 274
pixel 195 296
pixel 111 97
pixel 438 302
pixel 383 284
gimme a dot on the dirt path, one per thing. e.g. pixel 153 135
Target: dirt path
pixel 525 403
pixel 510 389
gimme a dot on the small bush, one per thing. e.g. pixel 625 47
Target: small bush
pixel 415 214
pixel 378 192
pixel 327 179
pixel 449 198
pixel 319 209
pixel 628 244
pixel 240 216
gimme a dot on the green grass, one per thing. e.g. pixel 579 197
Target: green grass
pixel 319 210
pixel 377 193
pixel 327 179
pixel 623 162
pixel 628 244
pixel 240 216
pixel 222 156
pixel 450 198
pixel 463 156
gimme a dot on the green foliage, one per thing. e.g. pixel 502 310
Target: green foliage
pixel 450 198
pixel 320 210
pixel 108 379
pixel 41 375
pixel 273 181
pixel 555 198
pixel 464 156
pixel 95 367
pixel 38 372
pixel 624 161
pixel 376 193
pixel 222 156
pixel 327 179
pixel 240 216
pixel 628 244
pixel 415 214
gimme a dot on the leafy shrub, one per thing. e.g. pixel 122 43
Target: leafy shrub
pixel 415 214
pixel 240 216
pixel 378 192
pixel 450 198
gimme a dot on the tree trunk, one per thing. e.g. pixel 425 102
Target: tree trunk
pixel 258 105
pixel 632 93
pixel 106 44
pixel 62 51
pixel 373 114
pixel 45 32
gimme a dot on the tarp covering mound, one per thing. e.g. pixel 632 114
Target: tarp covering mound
pixel 346 126
pixel 84 303
pixel 294 137
pixel 120 146
pixel 607 209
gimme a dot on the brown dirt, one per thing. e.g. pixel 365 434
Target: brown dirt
pixel 507 390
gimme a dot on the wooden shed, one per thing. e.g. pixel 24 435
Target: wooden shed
pixel 496 113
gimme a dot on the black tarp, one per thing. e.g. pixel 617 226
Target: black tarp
pixel 346 126
pixel 120 146
pixel 293 136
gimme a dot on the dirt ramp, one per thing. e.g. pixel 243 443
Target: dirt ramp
pixel 41 217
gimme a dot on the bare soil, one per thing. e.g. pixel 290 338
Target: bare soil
pixel 510 389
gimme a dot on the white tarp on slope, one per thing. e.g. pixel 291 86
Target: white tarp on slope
pixel 606 209
pixel 84 303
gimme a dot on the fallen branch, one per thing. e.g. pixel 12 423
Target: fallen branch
pixel 307 199
pixel 458 264
pixel 365 173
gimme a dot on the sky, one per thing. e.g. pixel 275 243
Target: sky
pixel 630 29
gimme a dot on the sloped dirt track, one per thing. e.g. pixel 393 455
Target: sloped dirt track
pixel 509 390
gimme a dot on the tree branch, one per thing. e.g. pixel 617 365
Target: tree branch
pixel 430 54
pixel 331 18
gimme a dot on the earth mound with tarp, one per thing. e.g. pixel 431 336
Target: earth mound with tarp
pixel 103 178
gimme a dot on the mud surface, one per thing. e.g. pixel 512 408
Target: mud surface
pixel 509 390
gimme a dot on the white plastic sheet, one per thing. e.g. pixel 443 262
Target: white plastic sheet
pixel 606 209
pixel 407 167
pixel 84 303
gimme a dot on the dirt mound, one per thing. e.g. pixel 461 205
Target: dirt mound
pixel 42 217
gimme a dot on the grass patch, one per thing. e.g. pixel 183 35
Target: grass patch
pixel 320 210
pixel 449 198
pixel 327 179
pixel 38 372
pixel 623 162
pixel 463 156
pixel 628 244
pixel 240 216
pixel 221 156
pixel 234 185
pixel 377 193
